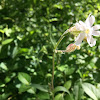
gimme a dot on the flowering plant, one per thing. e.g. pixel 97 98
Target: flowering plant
pixel 84 31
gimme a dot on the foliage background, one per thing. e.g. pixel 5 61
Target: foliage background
pixel 29 30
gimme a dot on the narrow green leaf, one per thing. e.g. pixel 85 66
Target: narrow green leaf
pixel 40 87
pixel 78 91
pixel 61 88
pixel 7 41
pixel 24 78
pixel 15 51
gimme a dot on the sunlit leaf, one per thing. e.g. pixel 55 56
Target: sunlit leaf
pixel 91 91
pixel 3 66
pixel 7 41
pixel 32 90
pixel 24 78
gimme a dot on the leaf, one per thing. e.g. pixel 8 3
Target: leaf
pixel 40 87
pixel 44 50
pixel 32 90
pixel 59 6
pixel 69 97
pixel 15 51
pixel 67 85
pixel 7 41
pixel 91 91
pixel 43 96
pixel 2 31
pixel 3 66
pixel 78 91
pixel 7 79
pixel 7 31
pixel 53 19
pixel 24 78
pixel 4 96
pixel 69 71
pixel 52 40
pixel 59 97
pixel 24 88
pixel 61 88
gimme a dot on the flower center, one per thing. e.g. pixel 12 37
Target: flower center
pixel 87 31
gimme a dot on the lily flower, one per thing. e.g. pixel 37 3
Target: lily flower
pixel 87 31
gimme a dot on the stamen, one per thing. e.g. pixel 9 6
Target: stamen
pixel 87 31
pixel 78 47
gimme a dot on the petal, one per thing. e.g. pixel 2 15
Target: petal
pixel 91 41
pixel 77 25
pixel 91 20
pixel 96 33
pixel 71 47
pixel 96 27
pixel 79 38
pixel 87 22
pixel 82 25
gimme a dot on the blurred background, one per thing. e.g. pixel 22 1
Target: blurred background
pixel 29 29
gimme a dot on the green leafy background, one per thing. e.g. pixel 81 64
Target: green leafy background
pixel 29 29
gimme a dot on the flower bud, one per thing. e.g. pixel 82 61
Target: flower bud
pixel 74 31
pixel 72 47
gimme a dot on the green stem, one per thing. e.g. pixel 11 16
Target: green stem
pixel 2 36
pixel 53 60
pixel 63 35
pixel 52 85
pixel 53 70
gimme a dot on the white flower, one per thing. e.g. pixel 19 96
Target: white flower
pixel 87 31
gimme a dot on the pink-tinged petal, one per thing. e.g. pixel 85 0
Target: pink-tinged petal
pixel 79 38
pixel 96 33
pixel 91 41
pixel 71 47
pixel 91 20
pixel 96 27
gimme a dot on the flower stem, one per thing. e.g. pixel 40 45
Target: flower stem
pixel 53 62
pixel 63 35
